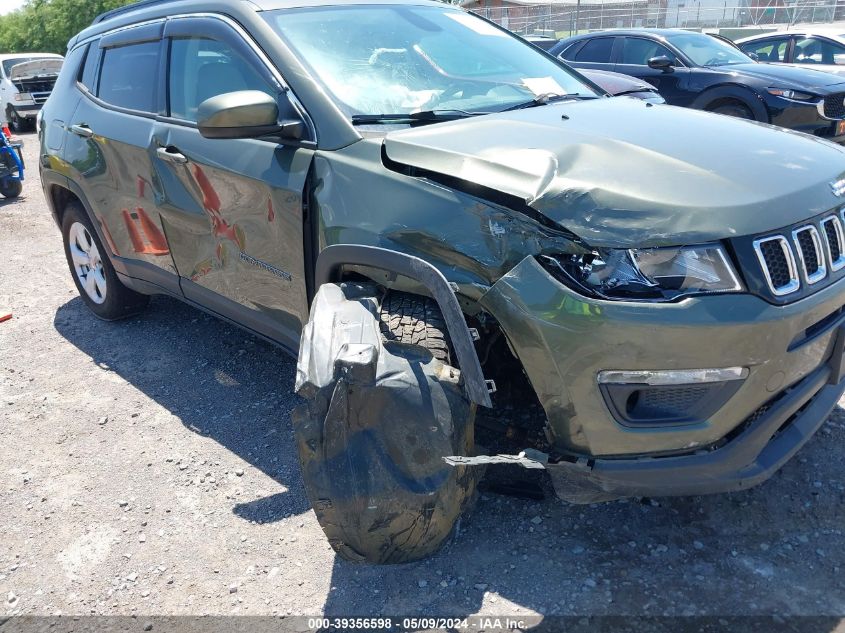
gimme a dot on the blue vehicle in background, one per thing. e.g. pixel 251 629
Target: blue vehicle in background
pixel 697 70
pixel 11 164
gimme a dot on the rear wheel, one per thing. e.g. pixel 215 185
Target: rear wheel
pixel 381 412
pixel 734 109
pixel 92 272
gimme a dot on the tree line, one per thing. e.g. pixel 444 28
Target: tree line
pixel 45 26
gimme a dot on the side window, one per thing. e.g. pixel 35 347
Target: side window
pixel 89 68
pixel 202 68
pixel 772 50
pixel 569 52
pixel 812 50
pixel 597 51
pixel 636 51
pixel 128 76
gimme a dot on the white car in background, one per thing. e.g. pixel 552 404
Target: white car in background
pixel 26 80
pixel 817 48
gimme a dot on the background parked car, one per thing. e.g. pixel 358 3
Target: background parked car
pixel 695 70
pixel 26 80
pixel 616 84
pixel 819 49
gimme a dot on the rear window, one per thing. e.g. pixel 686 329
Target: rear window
pixel 596 51
pixel 128 76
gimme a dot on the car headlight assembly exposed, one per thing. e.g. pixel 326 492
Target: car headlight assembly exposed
pixel 648 274
pixel 795 95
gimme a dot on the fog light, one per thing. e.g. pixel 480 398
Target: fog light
pixel 668 397
pixel 671 376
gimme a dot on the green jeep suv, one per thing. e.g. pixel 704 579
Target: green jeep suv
pixel 442 221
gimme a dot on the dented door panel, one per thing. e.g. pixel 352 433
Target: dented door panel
pixel 233 215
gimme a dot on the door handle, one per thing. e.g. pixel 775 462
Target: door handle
pixel 82 130
pixel 171 155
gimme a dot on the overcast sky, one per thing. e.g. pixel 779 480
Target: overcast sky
pixel 7 6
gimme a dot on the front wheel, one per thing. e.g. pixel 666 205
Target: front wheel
pixel 733 109
pixel 17 123
pixel 10 187
pixel 92 272
pixel 381 412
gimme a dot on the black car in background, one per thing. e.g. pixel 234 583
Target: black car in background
pixel 698 71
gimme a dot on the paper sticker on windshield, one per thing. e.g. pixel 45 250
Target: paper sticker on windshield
pixel 543 86
pixel 476 24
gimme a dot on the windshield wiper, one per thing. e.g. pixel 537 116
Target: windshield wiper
pixel 545 98
pixel 414 117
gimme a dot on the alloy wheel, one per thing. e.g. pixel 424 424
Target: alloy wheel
pixel 87 263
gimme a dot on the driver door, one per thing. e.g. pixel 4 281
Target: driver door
pixel 231 209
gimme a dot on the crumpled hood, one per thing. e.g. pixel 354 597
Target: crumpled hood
pixel 35 67
pixel 787 76
pixel 618 172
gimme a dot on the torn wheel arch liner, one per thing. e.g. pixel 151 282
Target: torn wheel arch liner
pixel 332 258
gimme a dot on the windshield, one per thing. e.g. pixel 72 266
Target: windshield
pixel 377 59
pixel 8 63
pixel 704 50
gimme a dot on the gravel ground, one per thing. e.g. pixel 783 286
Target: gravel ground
pixel 148 467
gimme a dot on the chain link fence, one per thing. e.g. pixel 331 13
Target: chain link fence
pixel 573 16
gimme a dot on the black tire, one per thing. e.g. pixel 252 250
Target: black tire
pixel 733 109
pixel 117 301
pixel 416 320
pixel 17 123
pixel 11 187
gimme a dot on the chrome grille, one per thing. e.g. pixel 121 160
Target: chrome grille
pixel 834 239
pixel 803 256
pixel 775 257
pixel 808 245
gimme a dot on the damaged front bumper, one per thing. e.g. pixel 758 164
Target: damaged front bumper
pixel 750 455
pixel 565 342
pixel 763 443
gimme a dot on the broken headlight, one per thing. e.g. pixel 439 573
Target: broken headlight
pixel 647 274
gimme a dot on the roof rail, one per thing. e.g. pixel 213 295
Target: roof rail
pixel 129 7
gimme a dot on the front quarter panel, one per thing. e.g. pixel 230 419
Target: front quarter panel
pixel 472 242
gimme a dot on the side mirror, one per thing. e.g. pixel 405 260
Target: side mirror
pixel 661 62
pixel 754 56
pixel 245 114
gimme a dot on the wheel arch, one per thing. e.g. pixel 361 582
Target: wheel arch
pixel 328 267
pixel 733 93
pixel 60 192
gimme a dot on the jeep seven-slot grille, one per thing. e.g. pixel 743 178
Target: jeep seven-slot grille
pixel 833 242
pixel 776 262
pixel 834 107
pixel 809 252
pixel 803 256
